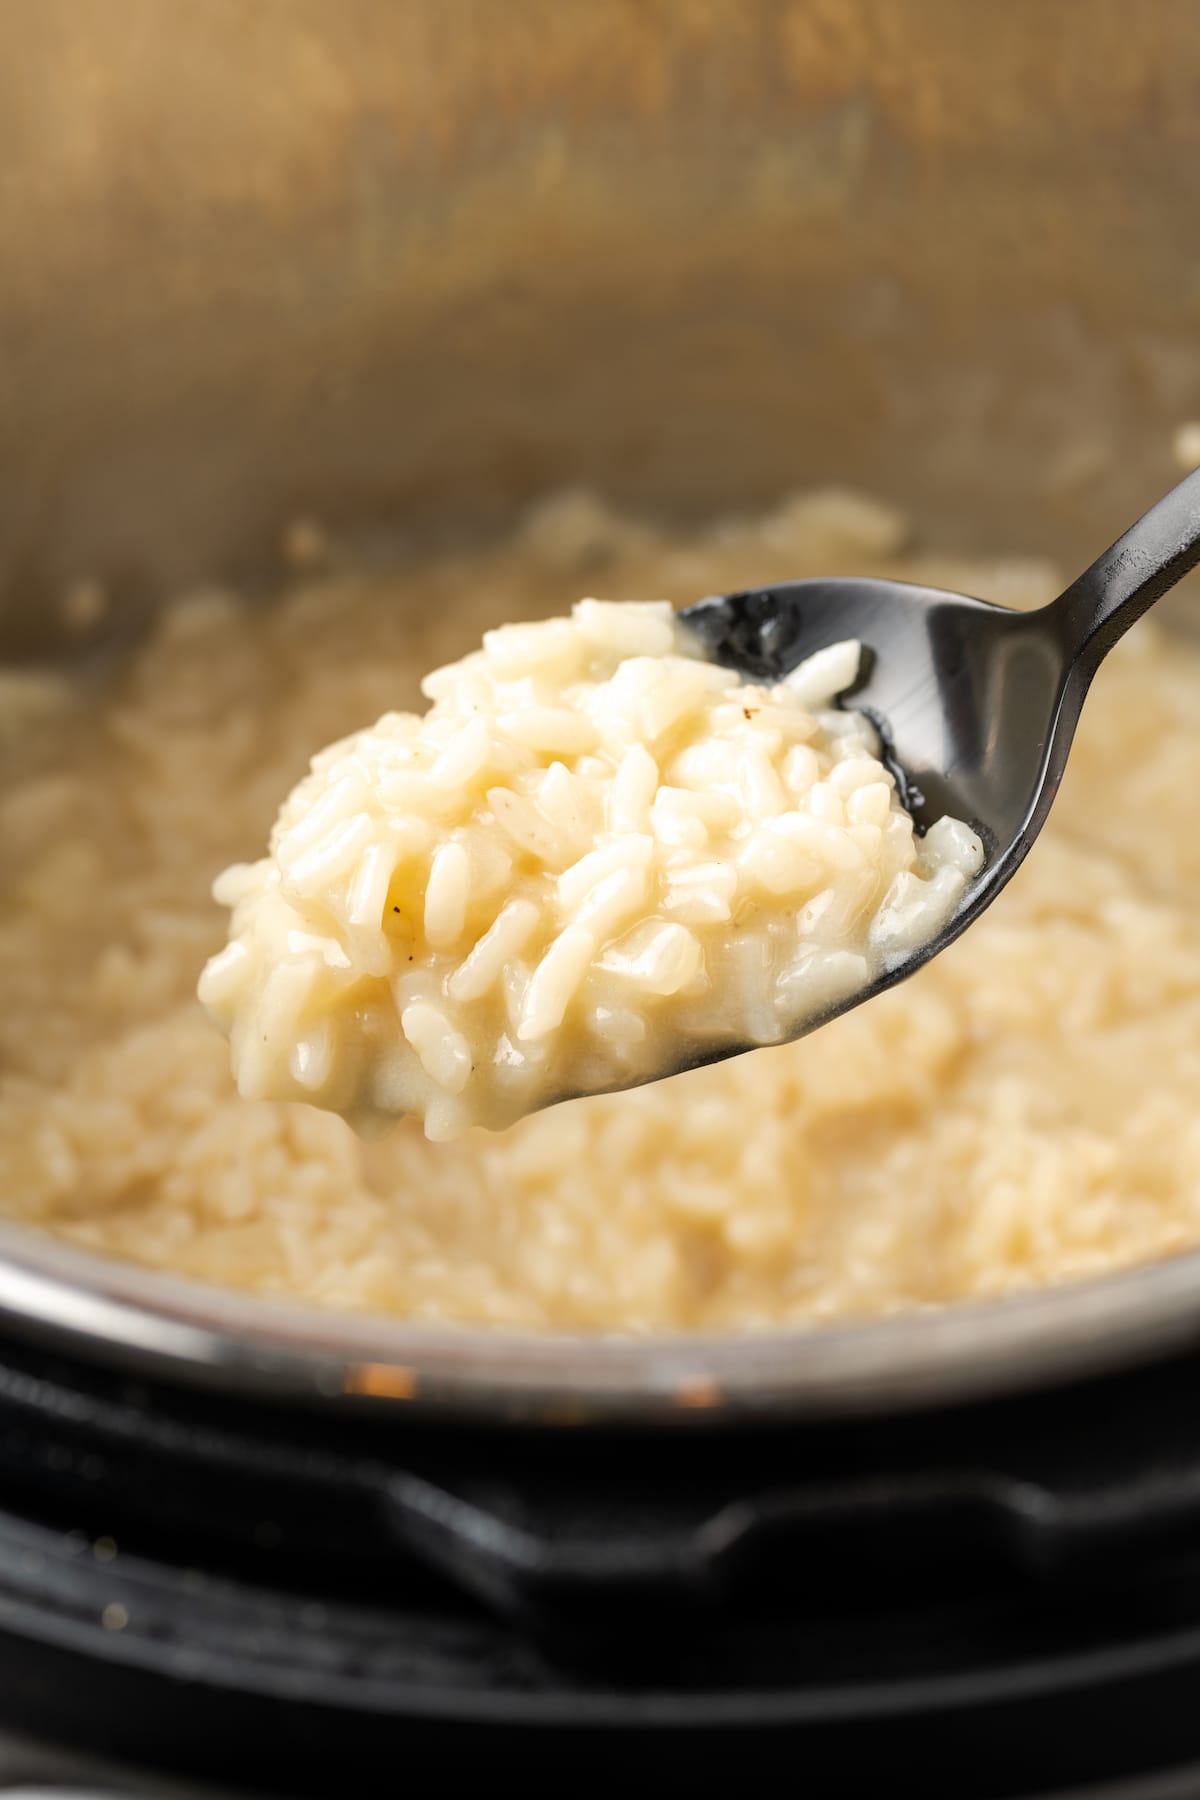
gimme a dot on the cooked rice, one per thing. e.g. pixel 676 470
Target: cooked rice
pixel 596 859
pixel 1026 1110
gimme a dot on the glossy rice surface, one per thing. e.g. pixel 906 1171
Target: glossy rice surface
pixel 595 860
pixel 1026 1110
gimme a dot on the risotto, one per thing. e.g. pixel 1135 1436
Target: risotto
pixel 1025 1110
pixel 597 859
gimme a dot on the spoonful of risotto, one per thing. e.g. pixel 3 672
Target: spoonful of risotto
pixel 629 841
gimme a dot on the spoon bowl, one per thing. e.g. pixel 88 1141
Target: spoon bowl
pixel 975 704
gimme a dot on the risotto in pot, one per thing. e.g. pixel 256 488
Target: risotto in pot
pixel 1025 1110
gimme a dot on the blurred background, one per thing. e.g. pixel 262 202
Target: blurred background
pixel 418 261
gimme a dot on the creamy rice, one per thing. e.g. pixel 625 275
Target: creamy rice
pixel 1026 1110
pixel 596 859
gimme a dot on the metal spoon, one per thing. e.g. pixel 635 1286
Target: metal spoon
pixel 976 704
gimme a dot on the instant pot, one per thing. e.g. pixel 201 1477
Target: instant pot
pixel 403 268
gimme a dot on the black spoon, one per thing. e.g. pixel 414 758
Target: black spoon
pixel 976 704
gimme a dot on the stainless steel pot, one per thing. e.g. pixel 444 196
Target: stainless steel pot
pixel 419 262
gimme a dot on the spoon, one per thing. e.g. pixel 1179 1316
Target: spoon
pixel 976 704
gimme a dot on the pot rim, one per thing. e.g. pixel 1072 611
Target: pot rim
pixel 259 1349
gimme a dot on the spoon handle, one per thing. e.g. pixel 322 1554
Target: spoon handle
pixel 1103 602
